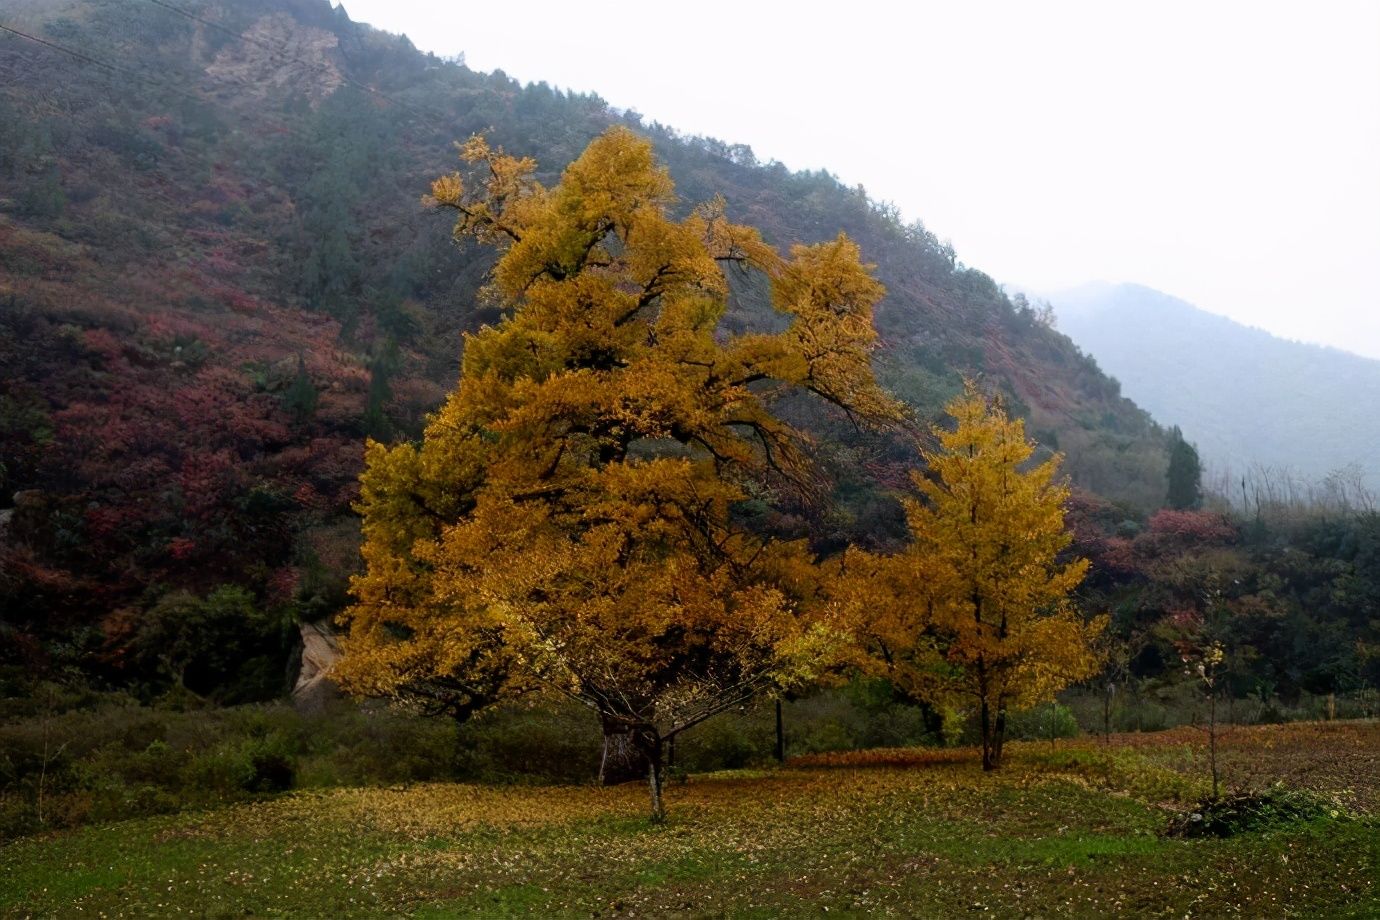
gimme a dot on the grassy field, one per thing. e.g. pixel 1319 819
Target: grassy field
pixel 1074 829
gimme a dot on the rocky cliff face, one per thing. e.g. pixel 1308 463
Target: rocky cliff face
pixel 278 58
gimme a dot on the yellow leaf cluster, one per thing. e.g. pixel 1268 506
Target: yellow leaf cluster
pixel 978 607
pixel 567 520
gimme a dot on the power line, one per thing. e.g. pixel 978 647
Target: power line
pixel 254 120
pixel 427 120
pixel 260 119
pixel 257 120
pixel 106 65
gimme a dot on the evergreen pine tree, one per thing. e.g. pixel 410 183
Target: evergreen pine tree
pixel 1185 473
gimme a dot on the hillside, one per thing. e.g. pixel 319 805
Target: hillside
pixel 216 279
pixel 1248 399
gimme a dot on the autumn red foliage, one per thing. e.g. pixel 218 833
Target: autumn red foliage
pixel 1204 527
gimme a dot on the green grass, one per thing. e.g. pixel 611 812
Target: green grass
pixel 918 833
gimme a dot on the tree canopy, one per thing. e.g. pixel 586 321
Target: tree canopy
pixel 977 608
pixel 568 520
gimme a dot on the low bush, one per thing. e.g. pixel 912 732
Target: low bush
pixel 272 767
pixel 557 742
pixel 70 758
pixel 1243 812
pixel 1042 723
pixel 728 743
pixel 88 756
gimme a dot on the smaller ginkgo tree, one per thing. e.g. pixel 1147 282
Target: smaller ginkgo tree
pixel 976 610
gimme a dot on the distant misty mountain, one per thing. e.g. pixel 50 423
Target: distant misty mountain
pixel 1247 398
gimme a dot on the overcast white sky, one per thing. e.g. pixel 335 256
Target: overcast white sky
pixel 1227 153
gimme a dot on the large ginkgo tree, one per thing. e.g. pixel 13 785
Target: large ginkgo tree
pixel 568 521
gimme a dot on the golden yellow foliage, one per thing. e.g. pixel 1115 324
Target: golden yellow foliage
pixel 566 521
pixel 977 608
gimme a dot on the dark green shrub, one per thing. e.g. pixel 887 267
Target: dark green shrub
pixel 221 771
pixel 1243 812
pixel 558 742
pixel 271 768
pixel 729 742
pixel 157 765
pixel 1042 723
pixel 375 745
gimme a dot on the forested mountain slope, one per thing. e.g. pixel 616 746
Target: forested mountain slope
pixel 217 278
pixel 1247 398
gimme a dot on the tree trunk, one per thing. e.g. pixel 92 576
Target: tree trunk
pixel 650 745
pixel 1107 713
pixel 985 717
pixel 780 736
pixel 621 762
pixel 999 735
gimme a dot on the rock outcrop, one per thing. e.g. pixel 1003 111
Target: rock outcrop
pixel 307 62
pixel 314 689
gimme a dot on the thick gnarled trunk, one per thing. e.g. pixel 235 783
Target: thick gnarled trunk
pixel 634 752
pixel 622 761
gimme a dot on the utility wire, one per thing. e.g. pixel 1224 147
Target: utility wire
pixel 259 121
pixel 117 69
pixel 425 120
pixel 275 124
pixel 105 65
